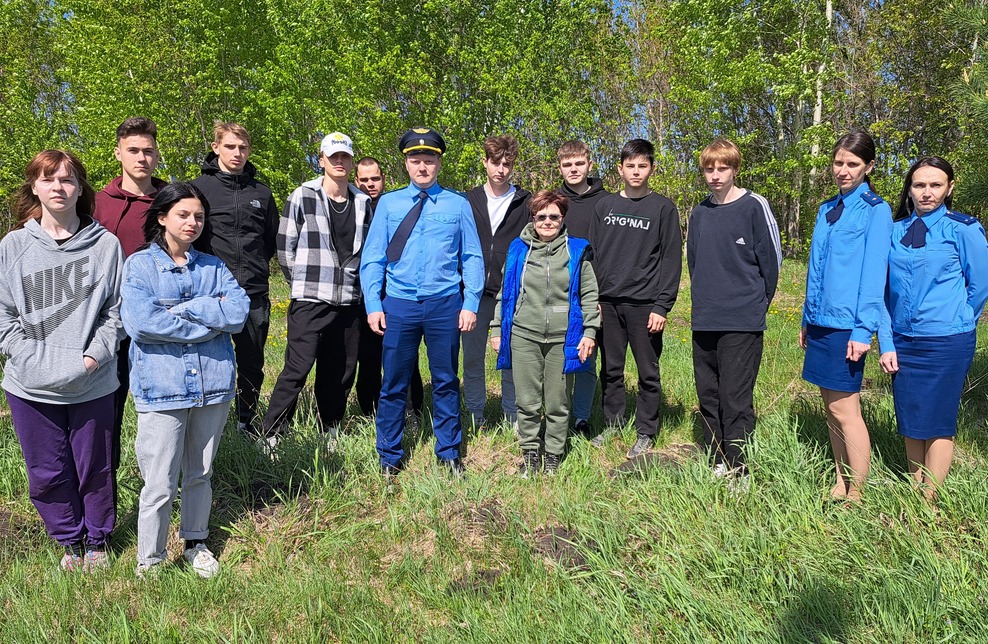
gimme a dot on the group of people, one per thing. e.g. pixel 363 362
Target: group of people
pixel 160 290
pixel 919 280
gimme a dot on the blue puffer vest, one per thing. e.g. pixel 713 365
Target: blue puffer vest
pixel 513 268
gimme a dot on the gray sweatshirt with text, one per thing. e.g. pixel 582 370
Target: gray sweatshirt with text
pixel 59 303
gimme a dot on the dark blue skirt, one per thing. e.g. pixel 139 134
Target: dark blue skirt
pixel 927 388
pixel 825 364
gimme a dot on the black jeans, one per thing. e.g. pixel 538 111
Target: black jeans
pixel 249 348
pixel 328 336
pixel 622 325
pixel 725 367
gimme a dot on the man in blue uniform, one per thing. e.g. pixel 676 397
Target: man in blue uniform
pixel 423 244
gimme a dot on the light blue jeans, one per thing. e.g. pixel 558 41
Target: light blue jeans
pixel 168 442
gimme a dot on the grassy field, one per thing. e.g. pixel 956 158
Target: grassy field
pixel 316 546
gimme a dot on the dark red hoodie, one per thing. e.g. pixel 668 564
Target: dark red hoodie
pixel 122 213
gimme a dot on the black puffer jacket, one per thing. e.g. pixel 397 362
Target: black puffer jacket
pixel 242 225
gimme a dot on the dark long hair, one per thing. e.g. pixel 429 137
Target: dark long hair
pixel 860 144
pixel 27 206
pixel 906 205
pixel 168 196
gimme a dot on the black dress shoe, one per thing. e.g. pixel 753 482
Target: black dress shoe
pixel 454 465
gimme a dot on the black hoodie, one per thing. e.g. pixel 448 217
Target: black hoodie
pixel 582 207
pixel 242 225
pixel 495 244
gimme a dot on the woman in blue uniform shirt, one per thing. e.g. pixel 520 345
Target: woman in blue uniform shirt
pixel 937 287
pixel 845 286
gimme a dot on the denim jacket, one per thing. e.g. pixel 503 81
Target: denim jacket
pixel 180 319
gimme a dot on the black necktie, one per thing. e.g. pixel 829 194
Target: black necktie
pixel 916 234
pixel 835 212
pixel 397 243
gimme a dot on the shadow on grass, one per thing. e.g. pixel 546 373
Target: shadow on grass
pixel 817 614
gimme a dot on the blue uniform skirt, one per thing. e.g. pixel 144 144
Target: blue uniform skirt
pixel 825 364
pixel 927 388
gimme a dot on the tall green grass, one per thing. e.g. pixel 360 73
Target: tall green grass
pixel 317 546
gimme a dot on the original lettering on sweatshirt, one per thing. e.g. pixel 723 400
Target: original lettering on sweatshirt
pixel 638 250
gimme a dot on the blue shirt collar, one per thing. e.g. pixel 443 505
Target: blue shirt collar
pixel 930 218
pixel 165 262
pixel 433 190
pixel 854 194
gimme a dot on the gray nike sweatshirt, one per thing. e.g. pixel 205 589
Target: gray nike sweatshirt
pixel 59 303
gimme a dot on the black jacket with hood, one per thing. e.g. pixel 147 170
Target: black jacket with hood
pixel 495 244
pixel 582 207
pixel 242 225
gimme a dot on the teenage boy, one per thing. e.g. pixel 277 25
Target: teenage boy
pixel 423 243
pixel 733 253
pixel 121 207
pixel 500 211
pixel 583 192
pixel 370 179
pixel 638 254
pixel 241 230
pixel 320 239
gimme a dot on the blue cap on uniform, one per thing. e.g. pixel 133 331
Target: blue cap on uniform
pixel 422 139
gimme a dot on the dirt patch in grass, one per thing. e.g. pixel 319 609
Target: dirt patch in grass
pixel 672 456
pixel 477 582
pixel 563 547
pixel 484 455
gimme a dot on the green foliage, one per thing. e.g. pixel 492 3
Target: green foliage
pixel 783 79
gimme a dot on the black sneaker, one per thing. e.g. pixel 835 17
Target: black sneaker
pixel 454 465
pixel 389 470
pixel 529 464
pixel 551 464
pixel 642 445
pixel 582 428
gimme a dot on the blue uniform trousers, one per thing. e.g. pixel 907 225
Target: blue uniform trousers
pixel 408 321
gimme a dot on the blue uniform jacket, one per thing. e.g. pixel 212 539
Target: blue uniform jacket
pixel 181 355
pixel 941 288
pixel 443 243
pixel 845 281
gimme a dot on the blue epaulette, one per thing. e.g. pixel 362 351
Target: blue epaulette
pixel 967 220
pixel 871 198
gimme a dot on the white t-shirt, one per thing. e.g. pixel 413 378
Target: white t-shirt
pixel 497 207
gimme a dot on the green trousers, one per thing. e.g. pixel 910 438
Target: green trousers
pixel 541 388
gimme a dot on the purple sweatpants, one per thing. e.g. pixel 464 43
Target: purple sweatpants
pixel 67 452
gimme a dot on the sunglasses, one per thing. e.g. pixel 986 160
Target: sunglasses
pixel 553 217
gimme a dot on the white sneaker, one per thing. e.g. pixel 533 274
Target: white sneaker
pixel 721 470
pixel 268 446
pixel 203 561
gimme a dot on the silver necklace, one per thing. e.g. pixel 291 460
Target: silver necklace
pixel 346 204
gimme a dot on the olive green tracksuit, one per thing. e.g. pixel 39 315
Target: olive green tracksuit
pixel 537 336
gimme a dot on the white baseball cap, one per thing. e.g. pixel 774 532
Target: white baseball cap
pixel 336 142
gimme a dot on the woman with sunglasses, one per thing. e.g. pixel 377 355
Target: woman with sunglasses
pixel 937 288
pixel 544 327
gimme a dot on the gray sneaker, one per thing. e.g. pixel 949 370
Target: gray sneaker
pixel 642 445
pixel 203 561
pixel 551 464
pixel 601 439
